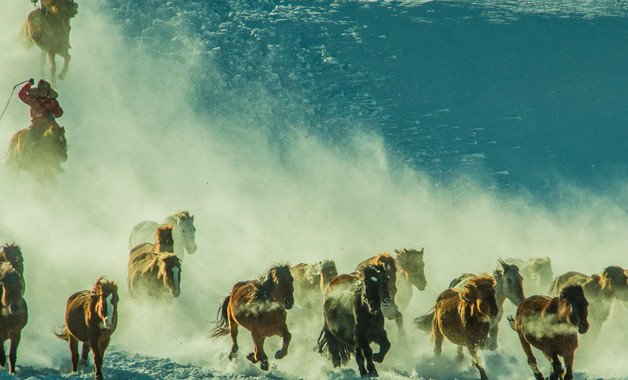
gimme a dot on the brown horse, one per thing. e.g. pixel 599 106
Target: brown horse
pixel 462 315
pixel 38 154
pixel 310 281
pixel 260 307
pixel 14 315
pixel 599 289
pixel 11 253
pixel 410 272
pixel 354 318
pixel 552 325
pixel 50 31
pixel 91 317
pixel 153 270
pixel 391 311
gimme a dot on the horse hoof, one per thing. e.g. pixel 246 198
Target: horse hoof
pixel 373 373
pixel 251 357
pixel 264 365
pixel 280 354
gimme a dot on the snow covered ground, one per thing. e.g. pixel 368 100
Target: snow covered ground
pixel 295 131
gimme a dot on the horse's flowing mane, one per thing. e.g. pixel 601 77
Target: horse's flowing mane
pixel 265 283
pixel 10 246
pixel 101 283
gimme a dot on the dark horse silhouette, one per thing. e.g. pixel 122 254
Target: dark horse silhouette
pixel 14 315
pixel 38 154
pixel 50 30
pixel 354 318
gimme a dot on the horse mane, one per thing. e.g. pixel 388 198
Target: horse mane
pixel 313 271
pixel 264 284
pixel 11 245
pixel 101 283
pixel 178 217
pixel 163 233
pixel 611 275
pixel 467 307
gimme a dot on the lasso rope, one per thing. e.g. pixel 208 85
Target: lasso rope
pixel 10 96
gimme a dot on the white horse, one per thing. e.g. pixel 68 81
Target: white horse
pixel 183 233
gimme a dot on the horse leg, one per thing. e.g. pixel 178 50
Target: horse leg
pixel 557 368
pixel 384 345
pixel 259 355
pixel 3 356
pixel 85 351
pixel 233 332
pixel 53 69
pixel 438 341
pixel 491 342
pixel 359 359
pixel 66 65
pixel 569 366
pixel 399 321
pixel 15 341
pixel 460 353
pixel 74 356
pixel 531 359
pixel 476 362
pixel 286 338
pixel 42 63
pixel 98 354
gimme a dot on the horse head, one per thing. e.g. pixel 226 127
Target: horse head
pixel 169 272
pixel 411 263
pixel 12 289
pixel 614 280
pixel 391 272
pixel 328 272
pixel 372 288
pixel 165 242
pixel 187 231
pixel 479 291
pixel 283 285
pixel 105 296
pixel 64 9
pixel 12 253
pixel 540 269
pixel 577 310
pixel 511 282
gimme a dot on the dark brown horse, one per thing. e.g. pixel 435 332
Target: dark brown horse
pixel 599 289
pixel 552 325
pixel 14 312
pixel 260 307
pixel 310 281
pixel 153 270
pixel 12 253
pixel 40 155
pixel 354 318
pixel 391 311
pixel 410 273
pixel 91 317
pixel 50 30
pixel 462 316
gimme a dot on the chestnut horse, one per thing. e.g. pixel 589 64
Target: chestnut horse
pixel 391 311
pixel 508 285
pixel 14 315
pixel 599 289
pixel 462 316
pixel 354 318
pixel 410 272
pixel 310 281
pixel 260 307
pixel 153 270
pixel 91 317
pixel 552 325
pixel 39 156
pixel 50 30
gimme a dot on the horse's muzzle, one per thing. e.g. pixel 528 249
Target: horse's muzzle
pixel 175 293
pixel 583 328
pixel 386 302
pixel 288 304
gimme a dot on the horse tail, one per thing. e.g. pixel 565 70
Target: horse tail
pixel 424 322
pixel 62 333
pixel 328 345
pixel 222 319
pixel 511 321
pixel 16 147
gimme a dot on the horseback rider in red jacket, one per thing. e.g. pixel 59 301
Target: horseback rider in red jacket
pixel 43 103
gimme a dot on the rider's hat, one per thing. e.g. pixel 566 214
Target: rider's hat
pixel 43 85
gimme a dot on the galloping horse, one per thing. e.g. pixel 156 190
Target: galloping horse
pixel 508 285
pixel 183 233
pixel 14 315
pixel 391 311
pixel 552 325
pixel 462 316
pixel 50 30
pixel 153 270
pixel 91 317
pixel 599 289
pixel 536 272
pixel 410 272
pixel 39 156
pixel 260 307
pixel 354 319
pixel 310 281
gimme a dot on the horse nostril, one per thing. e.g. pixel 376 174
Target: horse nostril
pixel 288 304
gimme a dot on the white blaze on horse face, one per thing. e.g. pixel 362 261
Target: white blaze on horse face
pixel 109 320
pixel 175 275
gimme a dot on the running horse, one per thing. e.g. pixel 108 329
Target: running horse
pixel 50 31
pixel 552 325
pixel 354 318
pixel 260 307
pixel 91 317
pixel 39 155
pixel 153 269
pixel 310 281
pixel 410 273
pixel 462 316
pixel 14 315
pixel 183 233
